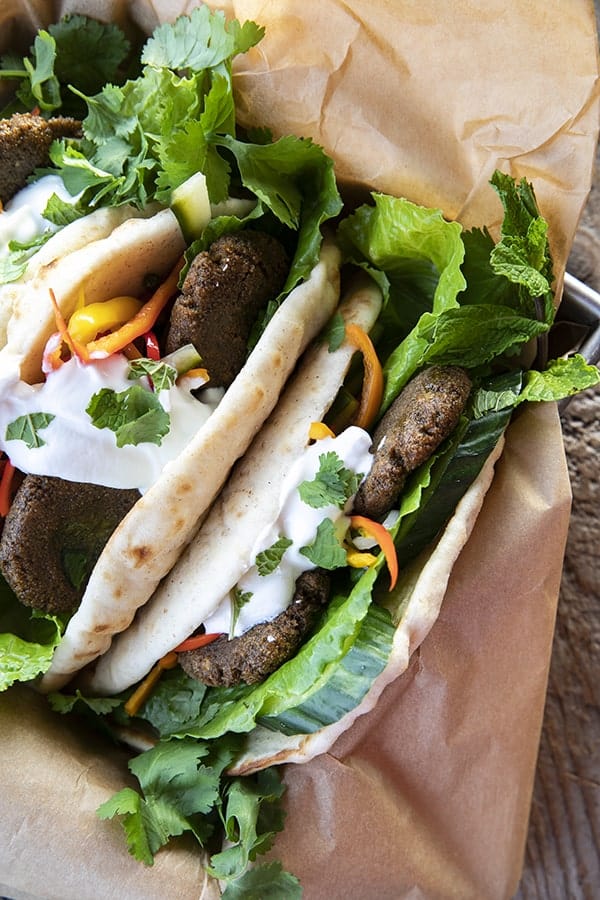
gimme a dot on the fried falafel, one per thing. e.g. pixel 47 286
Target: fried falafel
pixel 261 650
pixel 53 535
pixel 225 289
pixel 425 414
pixel 25 141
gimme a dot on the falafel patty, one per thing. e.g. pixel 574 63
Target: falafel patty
pixel 25 142
pixel 422 416
pixel 224 290
pixel 53 535
pixel 264 648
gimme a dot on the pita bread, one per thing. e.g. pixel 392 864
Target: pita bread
pixel 144 547
pixel 72 237
pixel 216 559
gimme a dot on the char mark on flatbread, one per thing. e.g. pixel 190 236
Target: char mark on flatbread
pixel 25 141
pixel 425 413
pixel 261 650
pixel 78 519
pixel 224 291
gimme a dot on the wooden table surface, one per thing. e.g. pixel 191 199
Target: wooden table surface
pixel 562 860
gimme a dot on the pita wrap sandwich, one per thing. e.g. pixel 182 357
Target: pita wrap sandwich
pixel 138 367
pixel 323 563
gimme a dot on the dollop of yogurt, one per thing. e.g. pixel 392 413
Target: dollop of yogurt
pixel 73 447
pixel 22 220
pixel 298 522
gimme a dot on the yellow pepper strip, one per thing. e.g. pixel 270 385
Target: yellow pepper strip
pixel 359 560
pixel 372 391
pixel 143 691
pixel 87 322
pixel 380 534
pixel 74 346
pixel 319 430
pixel 142 322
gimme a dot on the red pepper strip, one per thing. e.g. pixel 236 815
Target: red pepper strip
pixel 152 346
pixel 143 691
pixel 74 346
pixel 380 534
pixel 198 640
pixel 372 391
pixel 143 320
pixel 5 485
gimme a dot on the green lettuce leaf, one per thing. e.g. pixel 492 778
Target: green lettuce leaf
pixel 27 639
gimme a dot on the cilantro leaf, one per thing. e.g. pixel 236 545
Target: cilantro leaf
pixel 134 415
pixel 62 212
pixel 65 703
pixel 162 374
pixel 333 484
pixel 326 552
pixel 262 882
pixel 246 801
pixel 25 428
pixel 268 560
pixel 202 40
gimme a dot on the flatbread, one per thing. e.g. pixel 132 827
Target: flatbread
pixel 93 227
pixel 144 547
pixel 112 266
pixel 219 555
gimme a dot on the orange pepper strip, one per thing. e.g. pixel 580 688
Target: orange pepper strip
pixel 143 691
pixel 372 392
pixel 5 485
pixel 74 346
pixel 197 640
pixel 380 533
pixel 143 320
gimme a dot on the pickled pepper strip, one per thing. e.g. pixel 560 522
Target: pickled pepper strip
pixel 372 390
pixel 380 534
pixel 142 322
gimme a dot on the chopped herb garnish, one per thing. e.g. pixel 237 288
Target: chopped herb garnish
pixel 26 428
pixel 135 415
pixel 162 374
pixel 239 599
pixel 333 484
pixel 268 560
pixel 326 550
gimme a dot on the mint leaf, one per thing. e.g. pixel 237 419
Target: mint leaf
pixel 239 599
pixel 335 332
pixel 162 374
pixel 326 552
pixel 26 428
pixel 268 560
pixel 333 484
pixel 561 378
pixel 134 415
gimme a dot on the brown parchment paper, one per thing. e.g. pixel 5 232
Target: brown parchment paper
pixel 428 795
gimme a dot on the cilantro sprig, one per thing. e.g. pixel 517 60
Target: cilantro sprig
pixel 333 483
pixel 77 51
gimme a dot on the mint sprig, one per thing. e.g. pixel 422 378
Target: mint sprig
pixel 134 415
pixel 268 560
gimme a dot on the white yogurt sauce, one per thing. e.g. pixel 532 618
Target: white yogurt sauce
pixel 74 448
pixel 22 219
pixel 298 522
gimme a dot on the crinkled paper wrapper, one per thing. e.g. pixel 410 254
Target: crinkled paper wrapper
pixel 428 795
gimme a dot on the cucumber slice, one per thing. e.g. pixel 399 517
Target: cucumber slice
pixel 183 359
pixel 191 204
